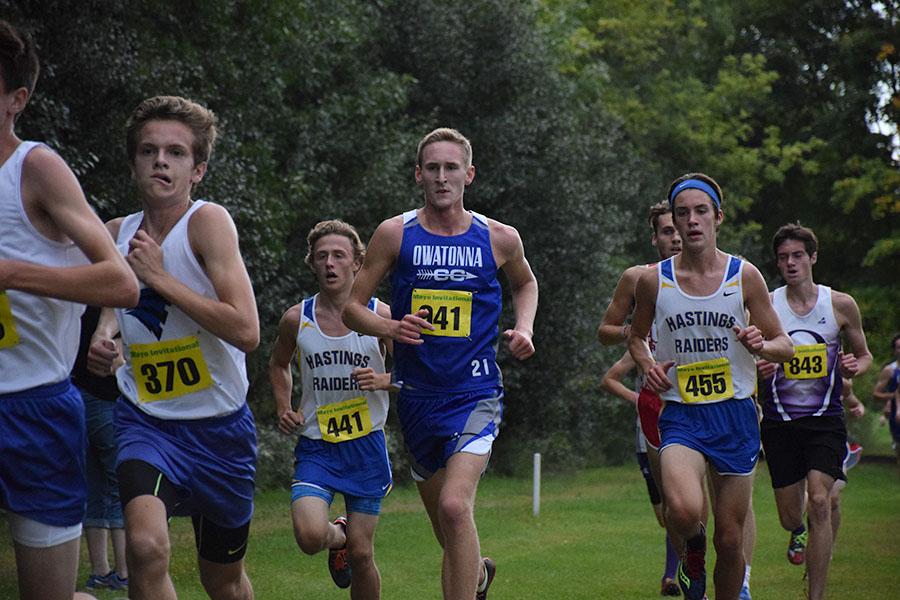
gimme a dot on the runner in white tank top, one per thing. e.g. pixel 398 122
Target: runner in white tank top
pixel 55 256
pixel 704 356
pixel 341 415
pixel 187 440
pixel 803 427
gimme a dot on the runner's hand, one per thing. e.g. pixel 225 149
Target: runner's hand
pixel 766 369
pixel 751 337
pixel 849 365
pixel 103 357
pixel 289 421
pixel 657 378
pixel 519 343
pixel 409 328
pixel 370 381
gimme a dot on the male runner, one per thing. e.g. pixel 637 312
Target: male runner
pixel 55 256
pixel 886 390
pixel 705 373
pixel 341 417
pixel 803 431
pixel 667 242
pixel 445 305
pixel 187 441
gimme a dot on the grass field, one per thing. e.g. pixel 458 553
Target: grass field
pixel 594 538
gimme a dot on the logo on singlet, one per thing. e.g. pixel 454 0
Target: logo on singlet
pixel 151 311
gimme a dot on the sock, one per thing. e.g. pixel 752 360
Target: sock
pixel 482 582
pixel 671 559
pixel 799 530
pixel 747 576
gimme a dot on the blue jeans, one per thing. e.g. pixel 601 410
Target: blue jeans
pixel 103 507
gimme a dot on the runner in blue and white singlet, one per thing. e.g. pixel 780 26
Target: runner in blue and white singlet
pixel 455 277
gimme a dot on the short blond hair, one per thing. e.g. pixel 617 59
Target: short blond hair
pixel 446 134
pixel 199 119
pixel 335 227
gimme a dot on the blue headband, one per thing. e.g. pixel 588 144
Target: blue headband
pixel 694 184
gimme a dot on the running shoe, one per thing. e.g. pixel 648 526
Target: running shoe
pixel 490 569
pixel 669 587
pixel 745 592
pixel 854 452
pixel 692 576
pixel 110 581
pixel 796 552
pixel 338 561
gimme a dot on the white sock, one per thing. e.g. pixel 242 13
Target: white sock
pixel 482 584
pixel 747 575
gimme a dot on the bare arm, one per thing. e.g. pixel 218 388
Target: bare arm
pixel 765 337
pixel 49 188
pixel 280 376
pixel 612 329
pixel 232 317
pixel 881 385
pixel 367 377
pixel 612 379
pixel 382 252
pixel 859 359
pixel 523 285
pixel 644 312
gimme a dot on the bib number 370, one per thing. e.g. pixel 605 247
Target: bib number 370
pixel 167 370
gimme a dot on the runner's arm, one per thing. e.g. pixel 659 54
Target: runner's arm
pixel 613 329
pixel 881 391
pixel 280 376
pixel 523 286
pixel 232 316
pixel 858 361
pixel 612 379
pixel 765 337
pixel 50 187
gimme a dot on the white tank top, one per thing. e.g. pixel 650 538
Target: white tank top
pixel 809 385
pixel 325 366
pixel 695 332
pixel 38 336
pixel 175 369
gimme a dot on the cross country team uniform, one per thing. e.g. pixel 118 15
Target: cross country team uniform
pixel 184 408
pixel 42 431
pixel 803 423
pixel 451 388
pixel 709 407
pixel 341 446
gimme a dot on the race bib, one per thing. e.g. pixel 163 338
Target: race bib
pixel 166 370
pixel 809 362
pixel 344 421
pixel 9 337
pixel 450 311
pixel 705 381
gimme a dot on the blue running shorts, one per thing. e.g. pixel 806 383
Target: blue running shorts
pixel 210 462
pixel 42 450
pixel 726 433
pixel 437 426
pixel 359 469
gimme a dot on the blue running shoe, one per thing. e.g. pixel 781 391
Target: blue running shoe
pixel 745 592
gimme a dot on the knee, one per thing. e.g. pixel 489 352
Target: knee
pixel 225 586
pixel 678 512
pixel 310 539
pixel 454 510
pixel 728 540
pixel 360 554
pixel 819 506
pixel 146 549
